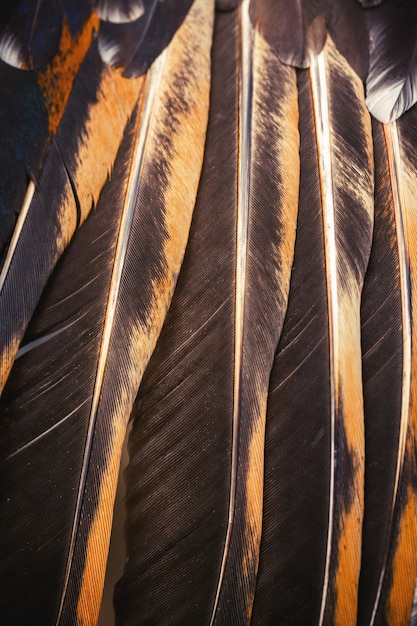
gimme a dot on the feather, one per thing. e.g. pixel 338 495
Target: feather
pixel 134 45
pixel 346 179
pixel 391 599
pixel 70 183
pixel 32 105
pixel 297 30
pixel 392 81
pixel 386 346
pixel 298 435
pixel 31 35
pixel 243 321
pixel 119 12
pixel 347 26
pixel 35 417
pixel 311 542
pixel 324 584
pixel 104 315
pixel 180 438
pixel 23 42
pixel 298 34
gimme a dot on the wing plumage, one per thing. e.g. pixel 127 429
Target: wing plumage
pixel 242 290
pixel 253 294
pixel 97 301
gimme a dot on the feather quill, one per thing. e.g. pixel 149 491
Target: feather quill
pixel 118 326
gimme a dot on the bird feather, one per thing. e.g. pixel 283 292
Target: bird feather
pixel 259 202
pixel 393 598
pixel 270 473
pixel 392 80
pixel 122 310
pixel 346 184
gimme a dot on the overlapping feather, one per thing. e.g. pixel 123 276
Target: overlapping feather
pixel 250 376
pixel 392 79
pixel 103 309
pixel 385 315
pixel 243 322
pixel 397 582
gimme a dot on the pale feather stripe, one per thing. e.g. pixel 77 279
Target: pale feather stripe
pixel 322 124
pixel 394 164
pixel 246 37
pixel 153 81
pixel 27 201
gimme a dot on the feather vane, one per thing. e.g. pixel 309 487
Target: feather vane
pixel 170 137
pixel 347 203
pixel 392 79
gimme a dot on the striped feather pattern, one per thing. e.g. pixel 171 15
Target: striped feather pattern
pixel 397 588
pixel 119 320
pixel 385 317
pixel 347 217
pixel 242 407
pixel 242 291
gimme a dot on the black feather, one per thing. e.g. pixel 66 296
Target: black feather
pixel 383 354
pixel 297 460
pixel 40 432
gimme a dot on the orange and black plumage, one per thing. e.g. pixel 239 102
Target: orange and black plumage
pixel 207 229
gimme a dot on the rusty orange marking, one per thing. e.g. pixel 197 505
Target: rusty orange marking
pixel 404 573
pixel 350 524
pixel 55 82
pixel 99 538
pixel 97 149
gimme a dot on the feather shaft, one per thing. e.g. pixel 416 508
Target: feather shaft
pixel 258 319
pixel 320 100
pixel 345 275
pixel 242 243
